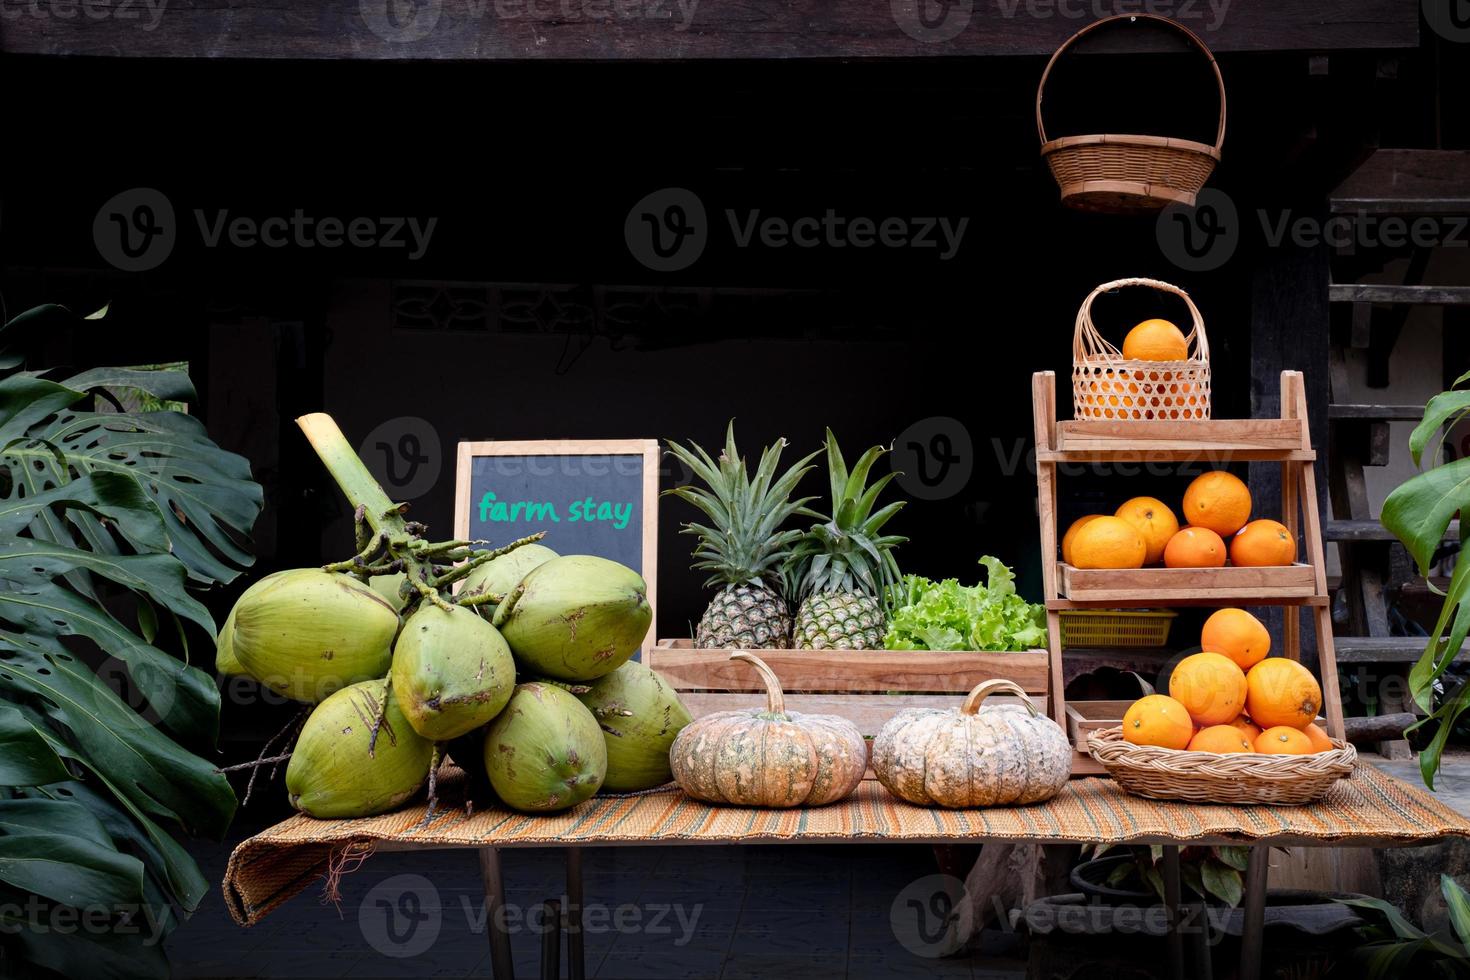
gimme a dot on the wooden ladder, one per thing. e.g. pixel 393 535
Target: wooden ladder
pixel 1402 185
pixel 1285 440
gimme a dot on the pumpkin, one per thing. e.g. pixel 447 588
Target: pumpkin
pixel 968 757
pixel 768 757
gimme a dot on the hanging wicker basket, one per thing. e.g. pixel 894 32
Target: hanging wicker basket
pixel 1123 174
pixel 1105 385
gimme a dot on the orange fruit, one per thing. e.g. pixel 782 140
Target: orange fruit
pixel 1154 520
pixel 1318 738
pixel 1077 525
pixel 1237 634
pixel 1247 727
pixel 1220 738
pixel 1263 543
pixel 1108 542
pixel 1157 719
pixel 1283 740
pixel 1282 692
pixel 1194 547
pixel 1219 501
pixel 1211 688
pixel 1156 340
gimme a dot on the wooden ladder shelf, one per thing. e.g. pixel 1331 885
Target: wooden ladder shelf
pixel 1284 440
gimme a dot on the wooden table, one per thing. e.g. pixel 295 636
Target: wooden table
pixel 1371 810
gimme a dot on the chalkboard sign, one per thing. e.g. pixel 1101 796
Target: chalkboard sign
pixel 591 497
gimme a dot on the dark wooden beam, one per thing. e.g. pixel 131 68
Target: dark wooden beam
pixel 661 30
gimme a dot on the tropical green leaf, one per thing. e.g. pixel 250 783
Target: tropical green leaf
pixel 1238 858
pixel 25 758
pixel 1441 409
pixel 71 870
pixel 1419 510
pixel 204 494
pixel 1222 881
pixel 1458 904
pixel 1402 927
pixel 154 772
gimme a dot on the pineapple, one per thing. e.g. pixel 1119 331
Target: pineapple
pixel 743 547
pixel 843 564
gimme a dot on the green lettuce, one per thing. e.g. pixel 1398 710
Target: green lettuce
pixel 928 615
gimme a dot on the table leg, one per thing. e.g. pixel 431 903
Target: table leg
pixel 1171 909
pixel 1199 942
pixel 551 940
pixel 576 956
pixel 1251 935
pixel 501 962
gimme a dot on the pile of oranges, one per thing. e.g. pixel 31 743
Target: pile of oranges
pixel 1232 697
pixel 1144 531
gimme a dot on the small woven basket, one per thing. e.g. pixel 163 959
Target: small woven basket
pixel 1123 174
pixel 1105 385
pixel 1209 777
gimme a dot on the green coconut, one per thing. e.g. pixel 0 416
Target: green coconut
pixel 225 663
pixel 499 575
pixel 452 671
pixel 544 752
pixel 338 770
pixel 306 633
pixel 640 714
pixel 576 617
pixel 390 587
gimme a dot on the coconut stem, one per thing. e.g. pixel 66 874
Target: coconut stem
pixel 481 598
pixel 775 699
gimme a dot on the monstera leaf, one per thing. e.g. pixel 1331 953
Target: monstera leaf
pixel 109 521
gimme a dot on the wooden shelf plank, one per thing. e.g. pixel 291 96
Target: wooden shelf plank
pixel 1376 413
pixel 1371 531
pixel 477 30
pixel 1383 649
pixel 938 671
pixel 1166 586
pixel 1352 292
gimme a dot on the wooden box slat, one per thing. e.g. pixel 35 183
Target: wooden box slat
pixel 1084 717
pixel 869 712
pixel 1166 586
pixel 1141 436
pixel 855 671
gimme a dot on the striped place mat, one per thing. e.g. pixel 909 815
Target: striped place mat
pixel 1371 808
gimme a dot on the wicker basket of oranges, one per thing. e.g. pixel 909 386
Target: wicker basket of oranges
pixel 1237 726
pixel 1160 373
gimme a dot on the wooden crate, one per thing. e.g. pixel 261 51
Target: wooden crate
pixel 865 686
pixel 1182 586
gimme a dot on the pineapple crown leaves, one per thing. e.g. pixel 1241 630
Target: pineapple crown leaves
pixel 743 542
pixel 846 551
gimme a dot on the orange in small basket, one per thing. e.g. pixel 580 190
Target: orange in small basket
pixel 1318 738
pixel 1158 719
pixel 1211 688
pixel 1283 740
pixel 1222 739
pixel 1238 635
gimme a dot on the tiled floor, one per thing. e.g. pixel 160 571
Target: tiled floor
pixel 760 912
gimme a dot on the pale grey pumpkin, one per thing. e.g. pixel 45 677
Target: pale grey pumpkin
pixel 768 757
pixel 969 757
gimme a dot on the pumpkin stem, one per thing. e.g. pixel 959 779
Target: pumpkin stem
pixel 775 699
pixel 985 689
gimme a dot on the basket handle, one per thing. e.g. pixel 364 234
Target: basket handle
pixel 1089 344
pixel 1191 35
pixel 996 685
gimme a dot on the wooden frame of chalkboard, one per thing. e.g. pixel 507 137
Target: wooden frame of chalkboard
pixel 515 454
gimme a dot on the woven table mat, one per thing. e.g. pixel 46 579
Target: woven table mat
pixel 1370 808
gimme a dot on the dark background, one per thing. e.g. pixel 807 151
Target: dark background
pixel 531 170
